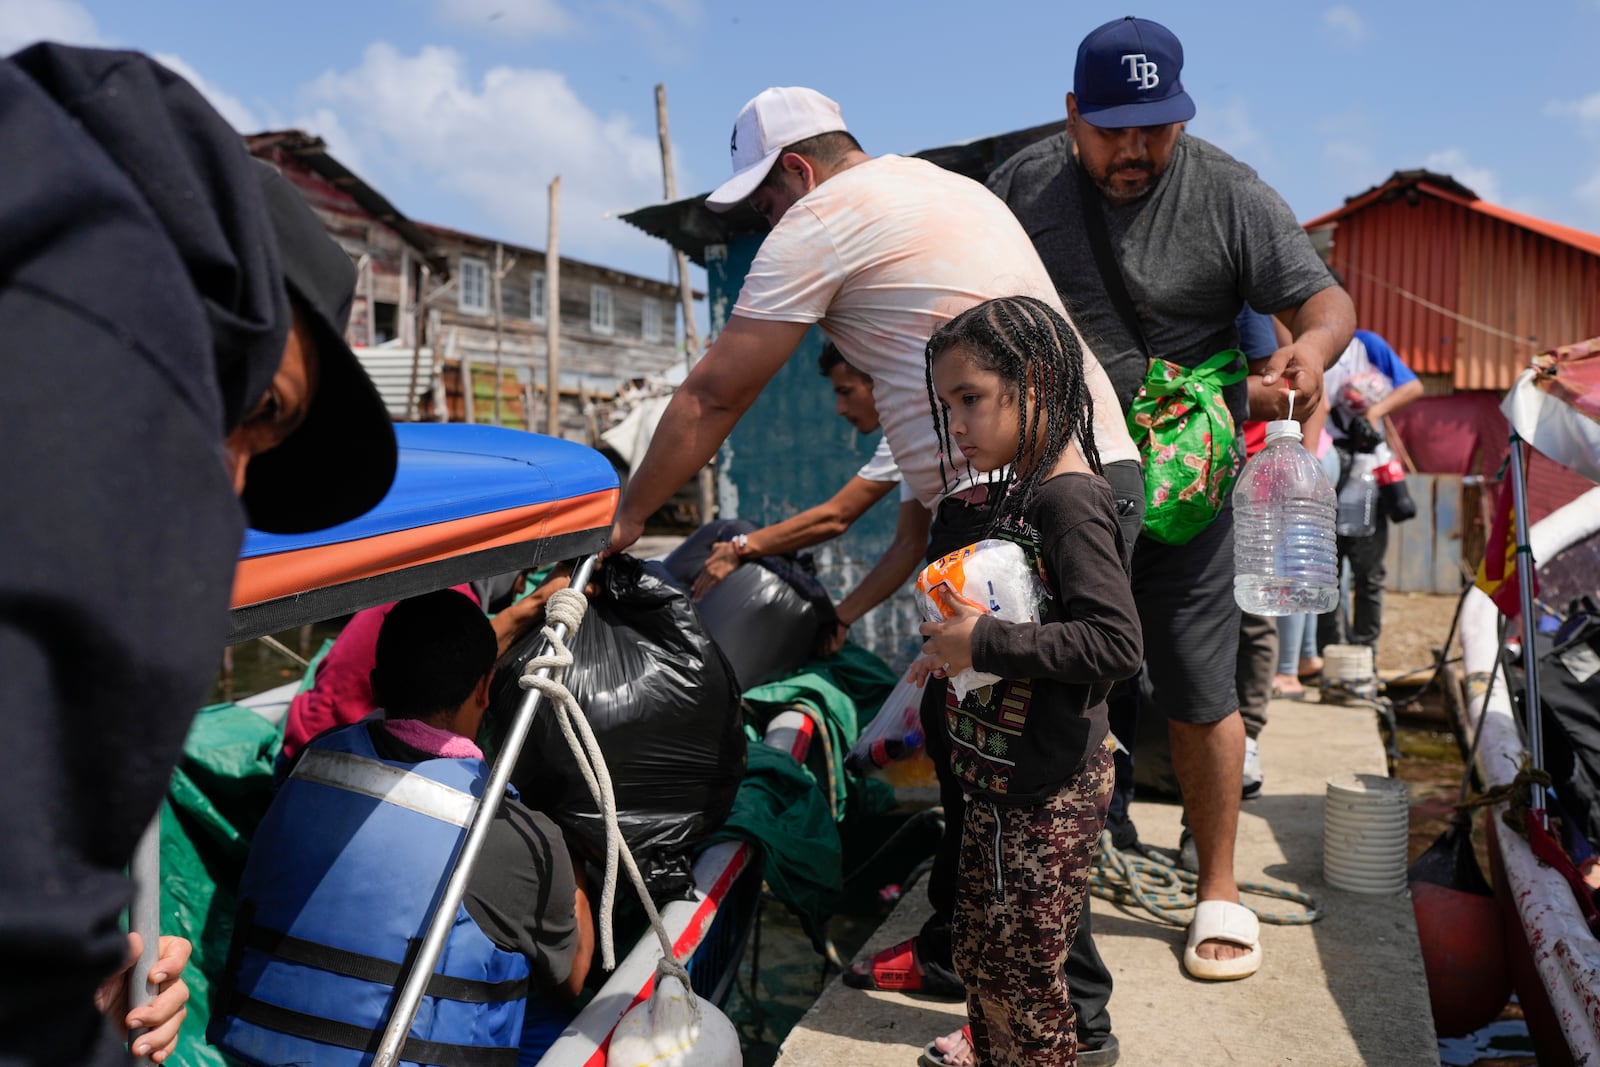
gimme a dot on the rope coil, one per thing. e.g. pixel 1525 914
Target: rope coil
pixel 567 608
pixel 1143 879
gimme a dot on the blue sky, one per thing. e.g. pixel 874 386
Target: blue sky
pixel 461 111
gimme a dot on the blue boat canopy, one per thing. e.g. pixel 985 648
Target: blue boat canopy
pixel 467 502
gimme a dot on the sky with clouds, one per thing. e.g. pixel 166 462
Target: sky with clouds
pixel 462 111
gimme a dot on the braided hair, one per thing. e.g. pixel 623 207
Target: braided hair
pixel 1025 341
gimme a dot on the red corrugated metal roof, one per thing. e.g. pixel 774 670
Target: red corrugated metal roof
pixel 1447 188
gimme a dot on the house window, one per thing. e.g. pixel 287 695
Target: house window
pixel 474 286
pixel 601 319
pixel 536 297
pixel 385 322
pixel 651 328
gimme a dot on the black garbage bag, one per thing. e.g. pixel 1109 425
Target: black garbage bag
pixel 664 706
pixel 767 616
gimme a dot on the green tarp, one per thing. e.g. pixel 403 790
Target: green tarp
pixel 217 797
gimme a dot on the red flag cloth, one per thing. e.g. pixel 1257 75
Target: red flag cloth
pixel 1544 845
pixel 1497 574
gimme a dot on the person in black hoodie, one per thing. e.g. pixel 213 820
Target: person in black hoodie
pixel 171 319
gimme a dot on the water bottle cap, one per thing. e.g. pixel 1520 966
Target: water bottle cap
pixel 1281 428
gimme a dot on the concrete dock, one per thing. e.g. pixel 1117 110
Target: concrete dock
pixel 1346 990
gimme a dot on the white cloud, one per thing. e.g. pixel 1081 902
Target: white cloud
pixel 23 22
pixel 516 18
pixel 1454 162
pixel 1228 125
pixel 1586 110
pixel 497 142
pixel 1343 21
pixel 1588 195
pixel 228 106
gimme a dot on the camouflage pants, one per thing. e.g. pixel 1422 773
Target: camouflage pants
pixel 1023 875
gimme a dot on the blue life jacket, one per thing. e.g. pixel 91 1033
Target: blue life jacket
pixel 341 880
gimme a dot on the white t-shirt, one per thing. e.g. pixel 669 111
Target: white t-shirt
pixel 882 468
pixel 882 254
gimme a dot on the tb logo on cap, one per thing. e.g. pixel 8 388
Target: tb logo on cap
pixel 1141 71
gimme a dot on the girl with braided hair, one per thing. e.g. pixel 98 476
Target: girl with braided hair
pixel 1006 386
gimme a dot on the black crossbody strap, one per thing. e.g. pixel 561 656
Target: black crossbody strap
pixel 1094 221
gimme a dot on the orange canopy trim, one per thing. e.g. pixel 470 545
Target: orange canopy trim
pixel 262 578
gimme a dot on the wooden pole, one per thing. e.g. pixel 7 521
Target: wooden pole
pixel 691 341
pixel 552 314
pixel 418 311
pixel 370 294
pixel 499 272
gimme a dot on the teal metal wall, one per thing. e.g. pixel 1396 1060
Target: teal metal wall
pixel 791 452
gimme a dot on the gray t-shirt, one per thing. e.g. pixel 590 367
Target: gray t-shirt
pixel 1209 236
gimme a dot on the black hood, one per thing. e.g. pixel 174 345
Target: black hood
pixel 192 169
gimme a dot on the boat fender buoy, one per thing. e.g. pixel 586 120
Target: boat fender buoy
pixel 1460 934
pixel 674 1028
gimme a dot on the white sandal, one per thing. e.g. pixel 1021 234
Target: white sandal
pixel 1223 920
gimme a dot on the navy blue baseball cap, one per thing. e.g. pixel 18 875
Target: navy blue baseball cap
pixel 1128 75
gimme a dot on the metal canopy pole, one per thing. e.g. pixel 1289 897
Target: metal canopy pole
pixel 144 917
pixel 416 983
pixel 1530 663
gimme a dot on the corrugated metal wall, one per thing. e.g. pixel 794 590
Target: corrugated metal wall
pixel 1499 293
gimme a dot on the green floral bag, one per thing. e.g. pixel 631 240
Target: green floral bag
pixel 1185 434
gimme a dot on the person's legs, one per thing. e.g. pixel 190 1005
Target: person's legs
pixel 933 940
pixel 1191 631
pixel 1291 631
pixel 1024 880
pixel 1331 624
pixel 1255 681
pixel 1252 678
pixel 1310 657
pixel 1127 491
pixel 1367 577
pixel 1286 672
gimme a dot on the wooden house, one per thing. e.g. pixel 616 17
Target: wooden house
pixel 615 327
pixel 436 309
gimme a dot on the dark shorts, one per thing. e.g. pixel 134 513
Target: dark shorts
pixel 1190 620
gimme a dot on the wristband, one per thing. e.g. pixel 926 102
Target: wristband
pixel 740 544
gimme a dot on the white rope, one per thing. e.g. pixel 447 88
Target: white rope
pixel 567 608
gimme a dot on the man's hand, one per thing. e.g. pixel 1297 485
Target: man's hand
pixel 724 559
pixel 162 1018
pixel 833 642
pixel 623 535
pixel 1296 367
pixel 948 648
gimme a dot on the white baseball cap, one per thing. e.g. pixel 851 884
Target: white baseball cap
pixel 771 122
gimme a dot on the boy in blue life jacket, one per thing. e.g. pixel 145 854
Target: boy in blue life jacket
pixel 345 867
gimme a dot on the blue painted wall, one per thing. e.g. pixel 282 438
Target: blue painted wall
pixel 791 452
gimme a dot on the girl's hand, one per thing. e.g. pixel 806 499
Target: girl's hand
pixel 948 648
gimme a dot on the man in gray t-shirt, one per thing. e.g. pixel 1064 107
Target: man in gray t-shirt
pixel 1195 234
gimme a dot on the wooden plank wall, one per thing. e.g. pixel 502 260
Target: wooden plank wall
pixel 1426 553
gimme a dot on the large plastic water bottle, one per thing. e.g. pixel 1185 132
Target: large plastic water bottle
pixel 1358 499
pixel 1284 557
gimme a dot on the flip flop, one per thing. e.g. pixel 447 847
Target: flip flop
pixel 932 1057
pixel 898 970
pixel 1223 920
